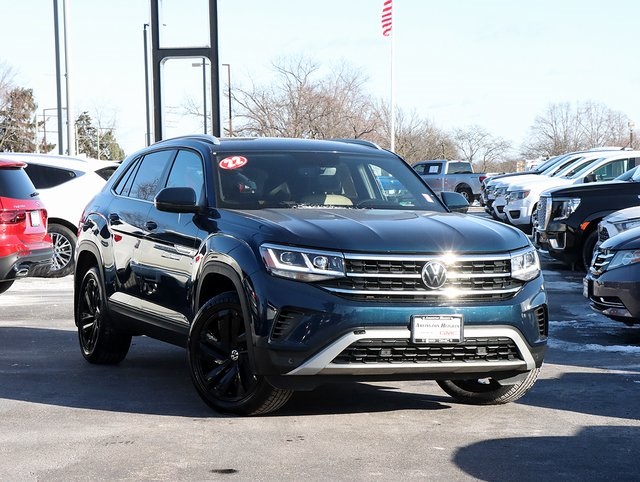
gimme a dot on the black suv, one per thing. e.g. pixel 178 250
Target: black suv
pixel 566 221
pixel 281 264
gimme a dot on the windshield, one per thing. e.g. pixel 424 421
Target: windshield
pixel 259 180
pixel 558 167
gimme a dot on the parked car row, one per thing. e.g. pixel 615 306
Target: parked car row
pixel 582 208
pixel 563 201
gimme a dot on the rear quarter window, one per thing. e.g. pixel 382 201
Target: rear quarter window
pixel 44 177
pixel 15 184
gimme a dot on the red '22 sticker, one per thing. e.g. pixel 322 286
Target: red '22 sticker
pixel 233 162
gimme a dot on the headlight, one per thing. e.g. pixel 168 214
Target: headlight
pixel 526 265
pixel 518 195
pixel 624 258
pixel 566 208
pixel 302 264
pixel 627 224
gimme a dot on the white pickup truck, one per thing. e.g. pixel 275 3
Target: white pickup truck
pixel 457 176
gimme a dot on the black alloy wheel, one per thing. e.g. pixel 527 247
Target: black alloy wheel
pixel 99 343
pixel 220 365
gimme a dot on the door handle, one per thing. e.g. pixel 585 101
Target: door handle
pixel 151 225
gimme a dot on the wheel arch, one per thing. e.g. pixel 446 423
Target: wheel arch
pixel 63 222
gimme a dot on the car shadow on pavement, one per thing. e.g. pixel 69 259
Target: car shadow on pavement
pixel 45 366
pixel 600 394
pixel 594 453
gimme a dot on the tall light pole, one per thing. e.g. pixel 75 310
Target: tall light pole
pixel 147 136
pixel 204 88
pixel 71 137
pixel 228 66
pixel 631 127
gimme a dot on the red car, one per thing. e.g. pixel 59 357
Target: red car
pixel 24 242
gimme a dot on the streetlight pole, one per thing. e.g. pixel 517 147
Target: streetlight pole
pixel 631 126
pixel 228 66
pixel 204 88
pixel 147 136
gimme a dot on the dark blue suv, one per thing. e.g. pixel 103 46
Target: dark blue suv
pixel 281 264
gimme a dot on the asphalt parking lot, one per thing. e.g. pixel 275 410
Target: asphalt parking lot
pixel 63 419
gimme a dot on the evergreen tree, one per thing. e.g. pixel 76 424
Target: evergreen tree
pixel 18 126
pixel 96 142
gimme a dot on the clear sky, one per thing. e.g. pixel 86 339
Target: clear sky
pixel 494 63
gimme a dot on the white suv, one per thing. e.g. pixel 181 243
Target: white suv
pixel 65 185
pixel 522 199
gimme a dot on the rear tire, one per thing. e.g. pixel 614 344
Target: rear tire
pixel 466 193
pixel 64 248
pixel 219 361
pixel 5 285
pixel 488 391
pixel 99 342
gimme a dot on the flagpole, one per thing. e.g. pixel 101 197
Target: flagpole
pixel 393 100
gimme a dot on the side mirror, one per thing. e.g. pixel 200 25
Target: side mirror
pixel 590 178
pixel 176 200
pixel 455 201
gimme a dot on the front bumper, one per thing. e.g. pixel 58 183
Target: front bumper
pixel 518 213
pixel 615 293
pixel 302 331
pixel 559 242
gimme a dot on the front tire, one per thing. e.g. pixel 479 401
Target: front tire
pixel 219 361
pixel 99 342
pixel 587 249
pixel 488 391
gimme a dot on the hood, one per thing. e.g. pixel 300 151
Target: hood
pixel 540 184
pixel 524 178
pixel 626 240
pixel 624 214
pixel 603 188
pixel 381 231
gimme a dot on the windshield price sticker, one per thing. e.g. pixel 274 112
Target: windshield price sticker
pixel 233 162
pixel 436 329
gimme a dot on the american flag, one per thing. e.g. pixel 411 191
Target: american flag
pixel 386 18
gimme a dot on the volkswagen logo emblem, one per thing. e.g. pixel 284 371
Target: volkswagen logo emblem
pixel 434 275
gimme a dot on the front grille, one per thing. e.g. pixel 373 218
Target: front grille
pixel 399 278
pixel 543 212
pixel 600 262
pixel 402 351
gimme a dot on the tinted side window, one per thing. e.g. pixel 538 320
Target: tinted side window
pixel 187 172
pixel 44 177
pixel 15 184
pixel 419 169
pixel 611 169
pixel 147 180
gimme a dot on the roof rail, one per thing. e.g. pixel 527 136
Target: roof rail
pixel 361 142
pixel 200 137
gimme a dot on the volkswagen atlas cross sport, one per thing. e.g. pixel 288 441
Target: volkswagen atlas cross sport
pixel 281 264
pixel 24 242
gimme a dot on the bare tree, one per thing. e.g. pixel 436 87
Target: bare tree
pixel 564 128
pixel 302 103
pixel 416 139
pixel 477 145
